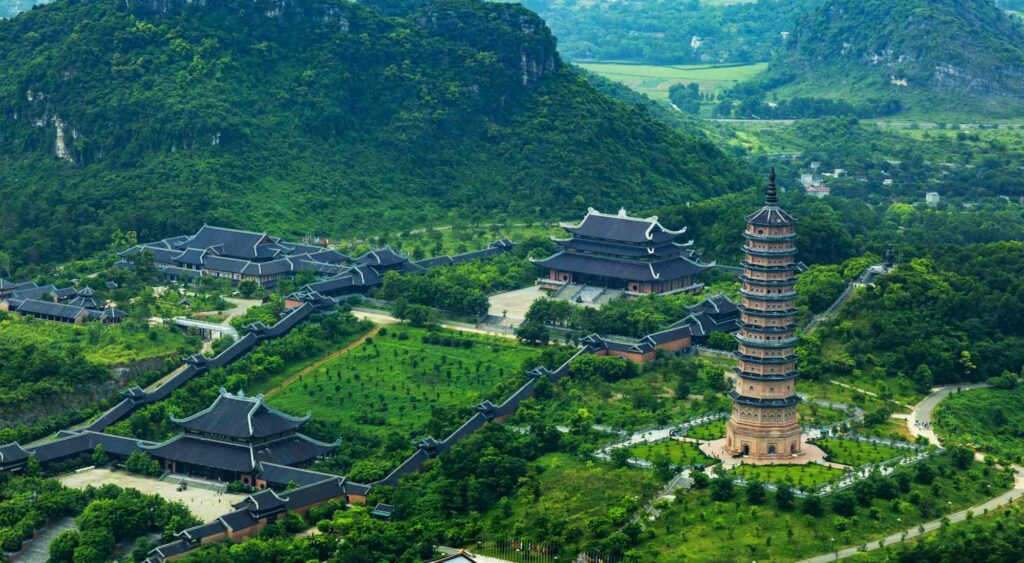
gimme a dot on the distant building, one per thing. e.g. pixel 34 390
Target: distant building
pixel 237 255
pixel 931 198
pixel 63 305
pixel 637 256
pixel 696 42
pixel 817 190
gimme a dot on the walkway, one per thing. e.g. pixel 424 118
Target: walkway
pixel 384 317
pixel 309 369
pixel 919 422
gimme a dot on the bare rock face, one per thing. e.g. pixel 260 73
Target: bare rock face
pixel 523 43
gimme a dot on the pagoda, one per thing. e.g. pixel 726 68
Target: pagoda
pixel 619 252
pixel 764 421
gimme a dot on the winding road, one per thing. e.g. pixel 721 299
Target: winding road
pixel 920 424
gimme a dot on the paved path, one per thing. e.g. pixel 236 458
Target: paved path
pixel 383 317
pixel 919 422
pixel 989 505
pixel 309 369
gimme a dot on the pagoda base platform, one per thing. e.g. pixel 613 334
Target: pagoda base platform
pixel 810 454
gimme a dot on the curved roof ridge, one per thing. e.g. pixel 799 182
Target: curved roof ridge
pixel 302 436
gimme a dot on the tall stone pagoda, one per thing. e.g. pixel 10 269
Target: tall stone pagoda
pixel 764 421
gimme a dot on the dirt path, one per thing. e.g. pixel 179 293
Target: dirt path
pixel 308 369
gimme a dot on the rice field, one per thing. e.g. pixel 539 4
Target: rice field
pixel 655 80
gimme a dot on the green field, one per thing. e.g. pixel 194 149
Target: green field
pixel 857 453
pixel 679 453
pixel 819 415
pixel 697 528
pixel 106 345
pixel 655 80
pixel 394 384
pixel 638 402
pixel 580 500
pixel 989 418
pixel 805 477
pixel 711 431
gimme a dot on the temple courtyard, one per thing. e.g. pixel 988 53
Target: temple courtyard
pixel 204 503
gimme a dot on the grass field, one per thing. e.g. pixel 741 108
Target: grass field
pixel 115 345
pixel 700 529
pixel 989 418
pixel 857 453
pixel 804 477
pixel 818 415
pixel 679 453
pixel 582 500
pixel 711 431
pixel 640 402
pixel 655 80
pixel 391 383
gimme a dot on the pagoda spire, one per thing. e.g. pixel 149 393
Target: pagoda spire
pixel 771 195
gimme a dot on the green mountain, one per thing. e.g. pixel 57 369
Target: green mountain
pixel 316 117
pixel 930 55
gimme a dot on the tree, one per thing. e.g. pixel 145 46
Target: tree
pixel 532 332
pixel 62 549
pixel 962 457
pixel 784 496
pixel 755 492
pixel 721 488
pixel 923 377
pixel 844 504
pixel 812 505
pixel 620 457
pixel 32 467
pixel 682 389
pixel 700 480
pixel 248 288
pixel 99 455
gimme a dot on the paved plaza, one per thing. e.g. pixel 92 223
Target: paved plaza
pixel 514 304
pixel 205 504
pixel 812 454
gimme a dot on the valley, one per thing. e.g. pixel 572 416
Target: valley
pixel 464 281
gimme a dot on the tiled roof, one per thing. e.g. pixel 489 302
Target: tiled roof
pixel 621 269
pixel 621 227
pixel 59 310
pixel 240 417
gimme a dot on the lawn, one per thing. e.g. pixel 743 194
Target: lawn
pixel 990 418
pixel 568 498
pixel 814 414
pixel 679 453
pixel 710 431
pixel 395 381
pixel 892 428
pixel 655 80
pixel 805 477
pixel 700 529
pixel 856 453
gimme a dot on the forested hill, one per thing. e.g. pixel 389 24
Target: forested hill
pixel 319 117
pixel 928 54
